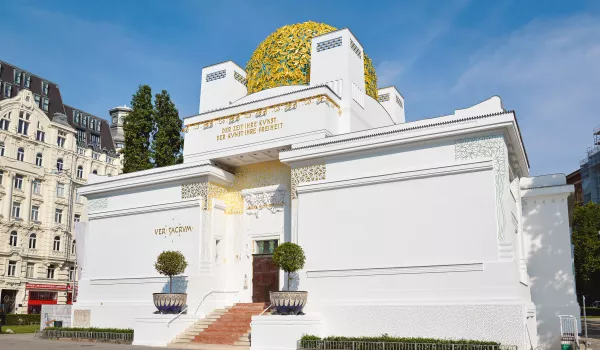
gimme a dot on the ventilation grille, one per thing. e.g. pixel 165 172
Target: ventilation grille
pixel 399 102
pixel 384 97
pixel 329 44
pixel 355 49
pixel 216 75
pixel 240 78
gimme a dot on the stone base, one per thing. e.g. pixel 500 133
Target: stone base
pixel 155 330
pixel 276 332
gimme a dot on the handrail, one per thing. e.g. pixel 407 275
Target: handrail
pixel 265 310
pixel 200 304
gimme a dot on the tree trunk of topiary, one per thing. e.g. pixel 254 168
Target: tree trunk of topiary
pixel 170 284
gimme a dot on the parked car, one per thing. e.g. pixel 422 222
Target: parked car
pixel 596 304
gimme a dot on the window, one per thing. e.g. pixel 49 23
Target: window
pixel 1 148
pixel 77 219
pixel 56 246
pixel 19 182
pixel 35 214
pixel 17 76
pixel 27 80
pixel 37 187
pixel 98 125
pixel 45 87
pixel 95 140
pixel 92 123
pixel 13 239
pixel 37 98
pixel 74 247
pixel 266 247
pixel 58 220
pixel 95 172
pixel 40 136
pixel 81 136
pixel 1 177
pixel 4 124
pixel 50 272
pixel 45 104
pixel 60 190
pixel 38 159
pixel 23 123
pixel 71 273
pixel 84 120
pixel 7 89
pixel 217 249
pixel 32 241
pixel 16 210
pixel 80 172
pixel 62 136
pixel 30 270
pixel 76 117
pixel 59 164
pixel 12 268
pixel 20 154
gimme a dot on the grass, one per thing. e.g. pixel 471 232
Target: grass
pixel 22 329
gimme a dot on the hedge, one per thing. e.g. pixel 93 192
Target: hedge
pixel 13 319
pixel 591 311
pixel 384 338
pixel 98 330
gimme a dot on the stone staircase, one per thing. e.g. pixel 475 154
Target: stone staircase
pixel 222 329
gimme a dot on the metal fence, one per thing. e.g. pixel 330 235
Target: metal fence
pixel 367 345
pixel 99 336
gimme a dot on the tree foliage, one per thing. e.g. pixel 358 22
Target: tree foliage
pixel 170 263
pixel 167 141
pixel 290 258
pixel 586 241
pixel 138 128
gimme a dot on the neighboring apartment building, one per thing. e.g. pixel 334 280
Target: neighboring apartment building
pixel 47 149
pixel 574 179
pixel 590 171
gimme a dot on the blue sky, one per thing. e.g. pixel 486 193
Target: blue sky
pixel 541 57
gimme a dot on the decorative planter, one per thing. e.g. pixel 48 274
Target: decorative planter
pixel 169 303
pixel 289 303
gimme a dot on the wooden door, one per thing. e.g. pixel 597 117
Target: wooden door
pixel 265 278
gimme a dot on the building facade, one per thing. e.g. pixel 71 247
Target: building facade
pixel 590 171
pixel 47 150
pixel 431 228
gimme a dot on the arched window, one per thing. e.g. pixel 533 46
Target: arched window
pixel 56 246
pixel 95 172
pixel 21 154
pixel 38 159
pixel 80 172
pixel 32 241
pixel 73 247
pixel 13 239
pixel 59 164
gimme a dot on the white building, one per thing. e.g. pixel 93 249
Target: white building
pixel 47 149
pixel 425 229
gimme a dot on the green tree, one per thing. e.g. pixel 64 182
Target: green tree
pixel 170 263
pixel 586 241
pixel 167 141
pixel 138 128
pixel 290 258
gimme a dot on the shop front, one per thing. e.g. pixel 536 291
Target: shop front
pixel 46 294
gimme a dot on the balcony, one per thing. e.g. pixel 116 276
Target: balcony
pixel 58 254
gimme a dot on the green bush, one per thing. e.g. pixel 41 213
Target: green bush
pixel 99 330
pixel 388 339
pixel 170 263
pixel 22 319
pixel 591 311
pixel 290 258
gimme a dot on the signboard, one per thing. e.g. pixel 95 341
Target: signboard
pixel 55 314
pixel 49 286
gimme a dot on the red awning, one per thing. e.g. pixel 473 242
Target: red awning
pixel 49 286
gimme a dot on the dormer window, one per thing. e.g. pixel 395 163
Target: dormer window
pixel 98 126
pixel 85 119
pixel 38 99
pixel 18 77
pixel 45 87
pixel 92 124
pixel 26 80
pixel 45 104
pixel 7 89
pixel 76 117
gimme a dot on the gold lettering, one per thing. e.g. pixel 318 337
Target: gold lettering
pixel 172 230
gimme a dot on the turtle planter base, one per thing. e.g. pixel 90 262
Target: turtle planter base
pixel 169 303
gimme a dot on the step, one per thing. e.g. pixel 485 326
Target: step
pixel 242 343
pixel 207 346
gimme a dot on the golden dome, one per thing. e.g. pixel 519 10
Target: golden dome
pixel 283 59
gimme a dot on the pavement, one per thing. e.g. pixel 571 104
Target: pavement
pixel 593 330
pixel 30 342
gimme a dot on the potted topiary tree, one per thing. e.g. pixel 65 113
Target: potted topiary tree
pixel 290 258
pixel 170 263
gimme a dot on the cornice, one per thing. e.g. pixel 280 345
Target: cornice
pixel 185 203
pixel 176 173
pixel 564 190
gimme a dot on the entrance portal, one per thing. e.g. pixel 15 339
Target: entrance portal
pixel 265 278
pixel 8 298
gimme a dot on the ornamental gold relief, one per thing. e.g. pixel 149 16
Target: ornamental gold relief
pixel 308 173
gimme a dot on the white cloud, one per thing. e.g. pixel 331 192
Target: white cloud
pixel 387 72
pixel 548 72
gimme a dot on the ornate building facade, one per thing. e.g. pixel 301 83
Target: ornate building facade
pixel 47 150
